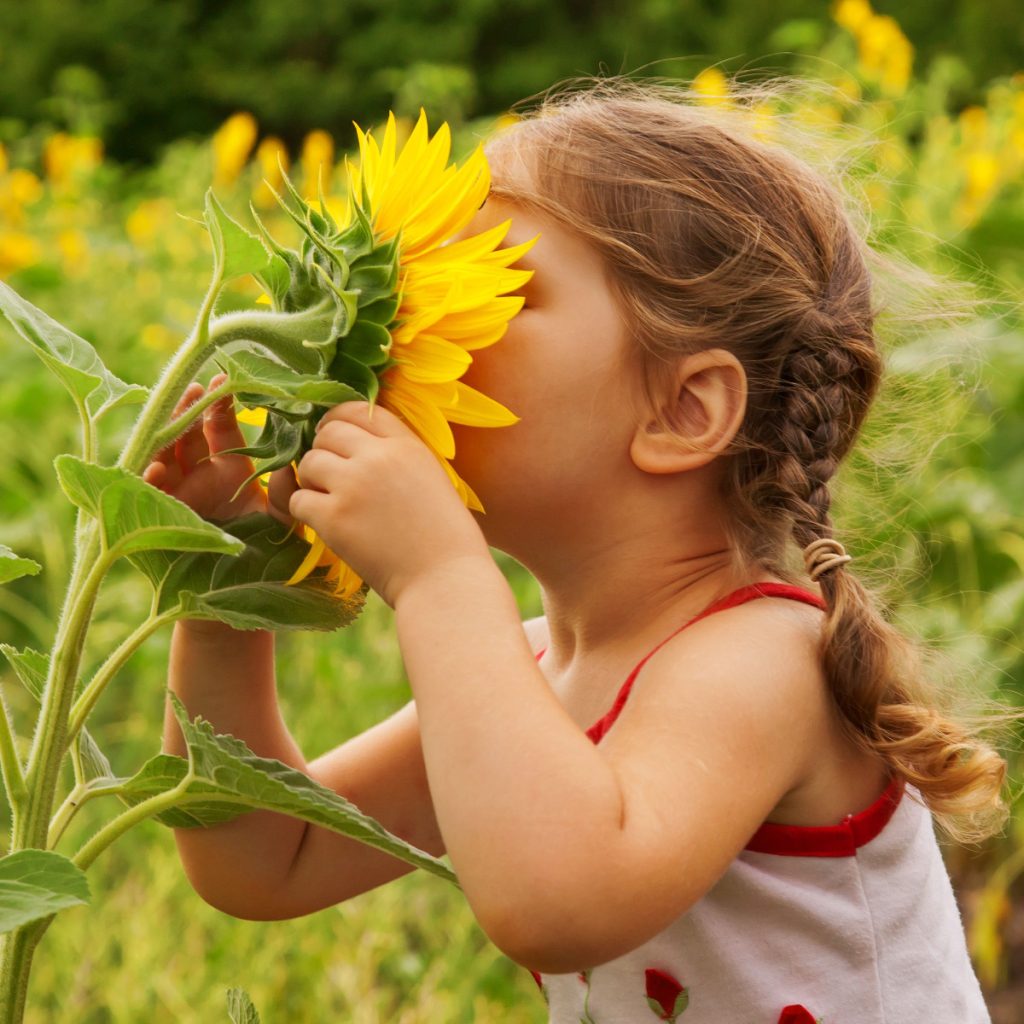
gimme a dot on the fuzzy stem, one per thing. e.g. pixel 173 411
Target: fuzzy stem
pixel 177 375
pixel 178 426
pixel 109 668
pixel 119 825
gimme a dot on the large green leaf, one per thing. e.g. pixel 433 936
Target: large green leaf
pixel 136 516
pixel 249 590
pixel 13 566
pixel 240 1007
pixel 223 766
pixel 37 883
pixel 73 360
pixel 236 251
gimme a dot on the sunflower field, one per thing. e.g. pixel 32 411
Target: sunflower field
pixel 118 252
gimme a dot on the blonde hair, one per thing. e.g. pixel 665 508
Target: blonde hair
pixel 714 237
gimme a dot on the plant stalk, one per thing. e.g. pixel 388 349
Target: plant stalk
pixel 49 742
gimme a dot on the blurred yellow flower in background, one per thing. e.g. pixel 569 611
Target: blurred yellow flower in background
pixel 317 163
pixel 712 87
pixel 232 144
pixel 67 157
pixel 272 157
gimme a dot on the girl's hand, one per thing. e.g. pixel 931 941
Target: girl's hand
pixel 193 470
pixel 381 501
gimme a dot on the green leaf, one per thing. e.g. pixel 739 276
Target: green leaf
pixel 236 251
pixel 94 762
pixel 73 360
pixel 259 375
pixel 161 774
pixel 134 515
pixel 249 591
pixel 37 883
pixel 224 766
pixel 84 482
pixel 280 442
pixel 13 566
pixel 240 1008
pixel 31 667
pixel 138 517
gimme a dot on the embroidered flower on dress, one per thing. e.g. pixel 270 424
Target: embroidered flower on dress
pixel 797 1014
pixel 665 996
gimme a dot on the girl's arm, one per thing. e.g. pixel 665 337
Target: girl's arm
pixel 264 866
pixel 227 676
pixel 571 854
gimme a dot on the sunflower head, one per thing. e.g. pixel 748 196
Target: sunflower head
pixel 388 308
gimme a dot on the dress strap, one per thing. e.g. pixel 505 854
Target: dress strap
pixel 737 597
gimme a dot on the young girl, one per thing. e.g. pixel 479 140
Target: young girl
pixel 701 786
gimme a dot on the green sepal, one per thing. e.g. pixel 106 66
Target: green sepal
pixel 356 374
pixel 373 281
pixel 367 343
pixel 381 311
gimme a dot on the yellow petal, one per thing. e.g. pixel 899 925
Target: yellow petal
pixel 412 404
pixel 309 563
pixel 430 358
pixel 474 409
pixel 254 417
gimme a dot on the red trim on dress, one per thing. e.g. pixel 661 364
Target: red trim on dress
pixel 840 840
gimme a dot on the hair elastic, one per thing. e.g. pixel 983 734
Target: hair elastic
pixel 824 554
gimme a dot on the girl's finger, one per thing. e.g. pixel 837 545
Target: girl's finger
pixel 155 474
pixel 191 447
pixel 191 394
pixel 281 487
pixel 220 426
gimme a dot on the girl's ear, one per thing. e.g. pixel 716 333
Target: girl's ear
pixel 701 415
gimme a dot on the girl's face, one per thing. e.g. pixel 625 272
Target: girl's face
pixel 562 368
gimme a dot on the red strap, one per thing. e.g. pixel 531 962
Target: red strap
pixel 737 597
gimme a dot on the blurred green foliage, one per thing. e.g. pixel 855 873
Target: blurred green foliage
pixel 140 72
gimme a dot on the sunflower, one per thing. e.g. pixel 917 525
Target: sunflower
pixel 452 296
